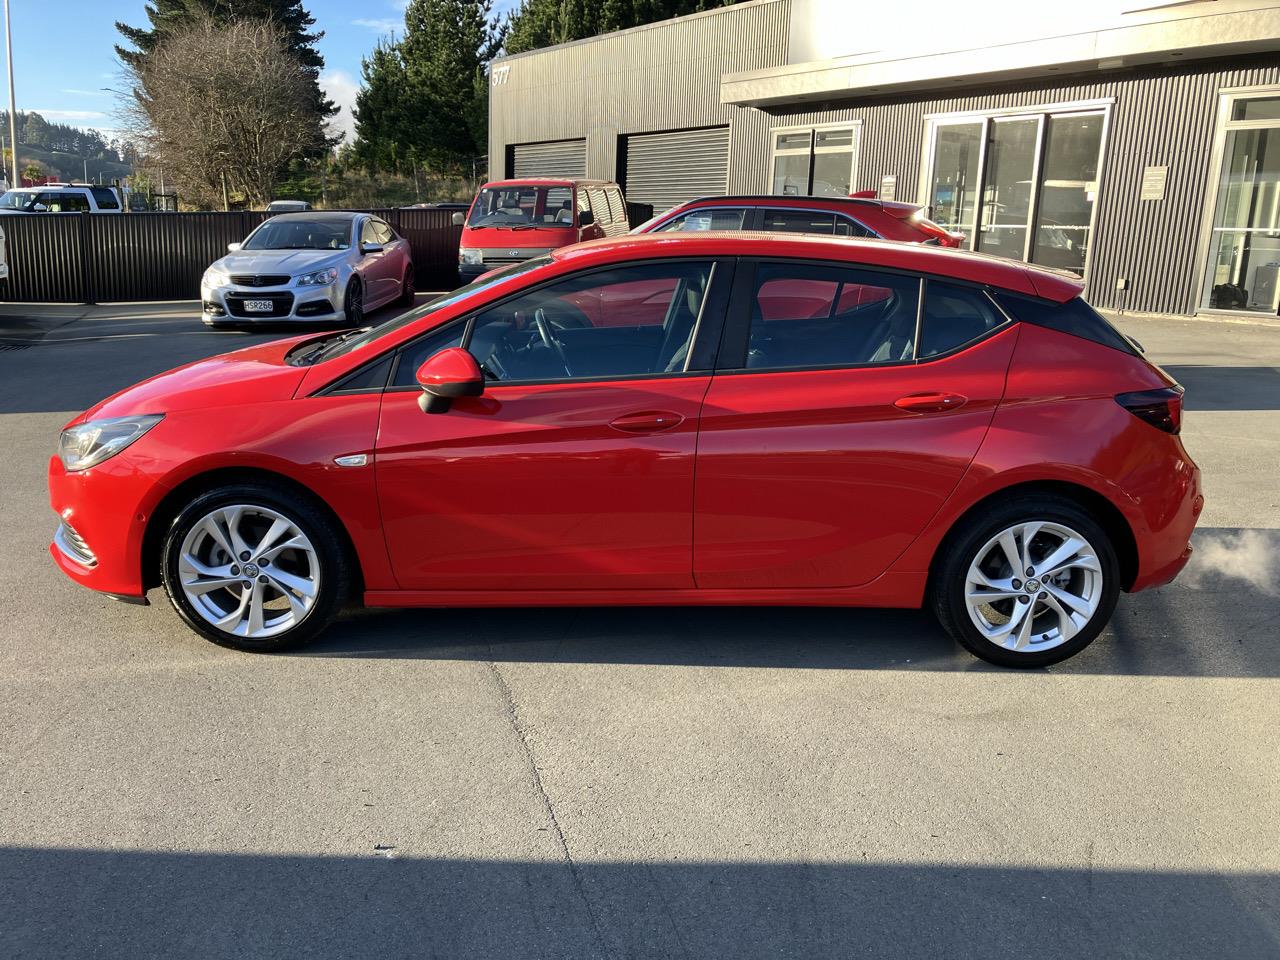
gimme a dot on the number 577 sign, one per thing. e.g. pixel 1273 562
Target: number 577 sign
pixel 499 75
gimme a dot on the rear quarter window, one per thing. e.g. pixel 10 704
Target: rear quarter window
pixel 953 316
pixel 1074 317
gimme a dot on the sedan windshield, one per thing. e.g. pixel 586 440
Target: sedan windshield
pixel 518 206
pixel 300 235
pixel 358 338
pixel 17 200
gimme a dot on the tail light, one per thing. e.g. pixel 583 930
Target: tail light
pixel 1161 408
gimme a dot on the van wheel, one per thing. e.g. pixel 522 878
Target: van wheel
pixel 255 569
pixel 1027 583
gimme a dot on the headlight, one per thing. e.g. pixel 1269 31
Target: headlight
pixel 87 444
pixel 214 277
pixel 472 256
pixel 318 279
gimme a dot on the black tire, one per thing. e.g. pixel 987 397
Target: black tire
pixel 353 303
pixel 335 566
pixel 960 549
pixel 406 288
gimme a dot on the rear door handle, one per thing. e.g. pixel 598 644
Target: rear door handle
pixel 930 402
pixel 647 421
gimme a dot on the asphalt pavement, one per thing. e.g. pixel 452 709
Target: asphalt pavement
pixel 623 783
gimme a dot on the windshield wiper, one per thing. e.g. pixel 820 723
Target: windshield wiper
pixel 331 342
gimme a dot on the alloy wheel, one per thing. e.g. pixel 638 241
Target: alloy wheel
pixel 249 571
pixel 1033 586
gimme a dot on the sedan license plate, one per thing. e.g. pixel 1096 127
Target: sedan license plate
pixel 258 306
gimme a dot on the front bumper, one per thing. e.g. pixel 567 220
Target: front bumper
pixel 103 513
pixel 227 306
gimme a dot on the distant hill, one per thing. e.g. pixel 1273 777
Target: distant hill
pixel 65 151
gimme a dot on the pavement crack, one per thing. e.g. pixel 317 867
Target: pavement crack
pixel 513 717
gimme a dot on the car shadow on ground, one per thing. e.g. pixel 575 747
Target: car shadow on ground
pixel 1228 388
pixel 386 904
pixel 1216 620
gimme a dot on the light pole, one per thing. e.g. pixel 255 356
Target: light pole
pixel 13 100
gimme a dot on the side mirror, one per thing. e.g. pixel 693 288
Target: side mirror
pixel 233 247
pixel 444 376
pixel 458 218
pixel 371 248
pixel 586 218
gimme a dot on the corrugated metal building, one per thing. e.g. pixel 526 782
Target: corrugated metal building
pixel 1142 149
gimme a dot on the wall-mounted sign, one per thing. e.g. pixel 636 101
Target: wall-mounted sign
pixel 888 186
pixel 1153 181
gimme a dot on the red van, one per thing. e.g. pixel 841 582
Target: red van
pixel 514 220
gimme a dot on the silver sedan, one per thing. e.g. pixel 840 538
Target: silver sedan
pixel 310 267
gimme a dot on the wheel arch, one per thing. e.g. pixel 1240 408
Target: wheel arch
pixel 1108 515
pixel 171 504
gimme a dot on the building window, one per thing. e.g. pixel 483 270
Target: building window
pixel 816 161
pixel 1244 246
pixel 1021 186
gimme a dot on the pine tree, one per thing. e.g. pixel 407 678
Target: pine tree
pixel 541 23
pixel 426 96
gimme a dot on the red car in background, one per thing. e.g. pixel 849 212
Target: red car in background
pixel 513 220
pixel 855 216
pixel 657 420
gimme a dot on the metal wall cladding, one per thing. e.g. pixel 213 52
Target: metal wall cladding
pixel 660 77
pixel 90 258
pixel 664 169
pixel 559 158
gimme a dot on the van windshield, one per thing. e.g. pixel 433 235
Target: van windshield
pixel 524 205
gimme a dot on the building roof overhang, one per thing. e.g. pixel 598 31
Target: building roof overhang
pixel 1192 31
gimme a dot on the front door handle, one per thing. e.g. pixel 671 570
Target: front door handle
pixel 930 402
pixel 647 421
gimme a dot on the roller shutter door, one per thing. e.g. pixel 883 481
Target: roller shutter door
pixel 664 169
pixel 558 158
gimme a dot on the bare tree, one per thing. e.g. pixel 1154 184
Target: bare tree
pixel 217 100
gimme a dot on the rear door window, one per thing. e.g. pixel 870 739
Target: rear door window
pixel 798 221
pixel 816 316
pixel 106 198
pixel 953 316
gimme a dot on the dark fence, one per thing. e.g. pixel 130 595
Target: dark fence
pixel 96 257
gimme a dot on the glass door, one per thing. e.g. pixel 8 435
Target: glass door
pixel 1244 247
pixel 1068 191
pixel 1012 148
pixel 957 158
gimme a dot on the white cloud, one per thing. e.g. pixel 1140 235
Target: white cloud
pixel 340 87
pixel 87 93
pixel 66 116
pixel 387 25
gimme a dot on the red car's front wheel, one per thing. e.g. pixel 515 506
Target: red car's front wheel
pixel 251 568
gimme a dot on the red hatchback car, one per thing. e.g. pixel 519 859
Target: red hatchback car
pixel 710 419
pixel 855 216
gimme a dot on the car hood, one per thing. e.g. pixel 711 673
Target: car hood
pixel 252 375
pixel 293 262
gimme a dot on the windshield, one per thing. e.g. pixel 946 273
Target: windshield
pixel 349 342
pixel 17 200
pixel 522 206
pixel 300 235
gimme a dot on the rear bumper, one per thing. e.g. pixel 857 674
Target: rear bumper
pixel 1165 548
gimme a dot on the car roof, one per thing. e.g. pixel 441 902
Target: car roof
pixel 549 182
pixel 311 216
pixel 793 200
pixel 982 268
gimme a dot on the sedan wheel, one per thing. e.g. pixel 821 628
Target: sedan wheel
pixel 1028 583
pixel 247 568
pixel 353 304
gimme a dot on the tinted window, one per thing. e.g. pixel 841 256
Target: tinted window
pixel 708 218
pixel 627 321
pixel 798 221
pixel 846 227
pixel 804 316
pixel 369 233
pixel 106 198
pixel 953 316
pixel 415 354
pixel 367 379
pixel 384 232
pixel 72 201
pixel 1074 317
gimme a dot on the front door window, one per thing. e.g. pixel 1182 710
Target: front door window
pixel 1244 248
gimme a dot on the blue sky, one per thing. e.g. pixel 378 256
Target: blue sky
pixel 63 56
